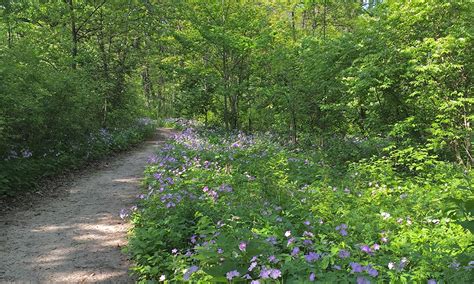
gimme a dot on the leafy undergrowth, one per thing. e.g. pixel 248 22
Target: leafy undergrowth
pixel 21 168
pixel 244 209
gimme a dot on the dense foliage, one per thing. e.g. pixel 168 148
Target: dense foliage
pixel 316 69
pixel 364 172
pixel 239 208
pixel 69 86
pixel 21 169
pixel 376 98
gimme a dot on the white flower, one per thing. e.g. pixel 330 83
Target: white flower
pixel 385 215
pixel 391 265
pixel 163 277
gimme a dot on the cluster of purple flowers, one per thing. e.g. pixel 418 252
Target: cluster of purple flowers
pixel 173 165
pixel 12 155
pixel 312 256
pixel 358 268
pixel 342 229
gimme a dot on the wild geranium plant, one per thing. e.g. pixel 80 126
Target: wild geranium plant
pixel 244 209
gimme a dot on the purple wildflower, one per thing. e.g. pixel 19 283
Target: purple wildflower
pixel 157 176
pixel 255 282
pixel 403 262
pixel 295 251
pixel 123 213
pixel 356 267
pixel 366 249
pixel 219 251
pixel 312 257
pixel 247 276
pixel 213 194
pixel 265 273
pixel 189 272
pixel 344 253
pixel 341 227
pixel 231 274
pixel 371 271
pixel 431 281
pixel 290 241
pixel 272 259
pixel 272 240
pixel 243 246
pixel 312 276
pixel 252 266
pixel 26 153
pixel 275 273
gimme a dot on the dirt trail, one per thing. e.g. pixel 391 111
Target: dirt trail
pixel 76 237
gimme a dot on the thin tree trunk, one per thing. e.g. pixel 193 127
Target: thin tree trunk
pixel 9 34
pixel 325 19
pixel 73 33
pixel 225 70
pixel 105 66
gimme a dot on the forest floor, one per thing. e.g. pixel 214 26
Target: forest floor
pixel 76 235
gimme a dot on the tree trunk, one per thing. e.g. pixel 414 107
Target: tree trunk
pixel 9 34
pixel 73 34
pixel 105 66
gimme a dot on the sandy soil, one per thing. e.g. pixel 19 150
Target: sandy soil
pixel 76 236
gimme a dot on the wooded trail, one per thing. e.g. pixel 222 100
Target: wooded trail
pixel 78 236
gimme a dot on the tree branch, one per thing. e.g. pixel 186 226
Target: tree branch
pixel 90 15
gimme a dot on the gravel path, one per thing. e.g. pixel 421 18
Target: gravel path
pixel 77 236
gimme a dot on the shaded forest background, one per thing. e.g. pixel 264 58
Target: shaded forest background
pixel 391 77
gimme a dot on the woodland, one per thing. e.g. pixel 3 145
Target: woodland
pixel 325 141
